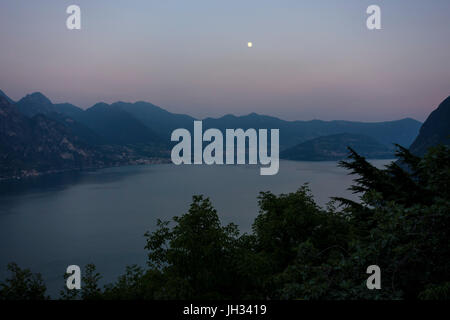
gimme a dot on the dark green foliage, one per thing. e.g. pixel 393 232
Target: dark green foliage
pixel 90 279
pixel 285 227
pixel 135 284
pixel 298 250
pixel 67 294
pixel 22 285
pixel 405 218
pixel 191 255
pixel 89 284
pixel 436 292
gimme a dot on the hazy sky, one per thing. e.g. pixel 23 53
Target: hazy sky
pixel 310 58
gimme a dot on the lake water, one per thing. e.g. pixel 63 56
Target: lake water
pixel 100 217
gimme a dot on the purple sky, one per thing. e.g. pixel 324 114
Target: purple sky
pixel 310 59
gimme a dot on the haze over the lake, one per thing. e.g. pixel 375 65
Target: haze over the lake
pixel 308 59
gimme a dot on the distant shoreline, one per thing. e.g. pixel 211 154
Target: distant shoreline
pixel 35 173
pixel 140 162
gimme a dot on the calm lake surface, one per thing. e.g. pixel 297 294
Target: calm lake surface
pixel 100 217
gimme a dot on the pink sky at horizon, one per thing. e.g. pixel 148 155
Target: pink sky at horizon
pixel 309 60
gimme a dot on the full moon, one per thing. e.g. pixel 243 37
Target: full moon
pixel 250 44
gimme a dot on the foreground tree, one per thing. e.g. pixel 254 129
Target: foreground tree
pixel 297 250
pixel 195 257
pixel 403 221
pixel 22 285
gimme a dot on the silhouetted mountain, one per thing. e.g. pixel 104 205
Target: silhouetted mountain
pixel 78 129
pixel 294 132
pixel 38 137
pixel 159 120
pixel 146 128
pixel 39 144
pixel 37 103
pixel 33 104
pixel 67 109
pixel 334 147
pixel 2 94
pixel 100 124
pixel 123 123
pixel 434 131
pixel 116 126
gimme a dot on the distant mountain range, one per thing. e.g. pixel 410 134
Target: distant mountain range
pixel 111 124
pixel 36 144
pixel 29 145
pixel 294 132
pixel 335 147
pixel 435 130
pixel 122 131
pixel 154 124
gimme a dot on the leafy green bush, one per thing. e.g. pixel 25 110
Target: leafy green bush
pixel 297 250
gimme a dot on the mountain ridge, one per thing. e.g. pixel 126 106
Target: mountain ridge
pixel 38 144
pixel 111 125
pixel 435 130
pixel 125 132
pixel 162 122
pixel 2 94
pixel 335 147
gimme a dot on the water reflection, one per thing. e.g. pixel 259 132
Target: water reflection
pixel 50 222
